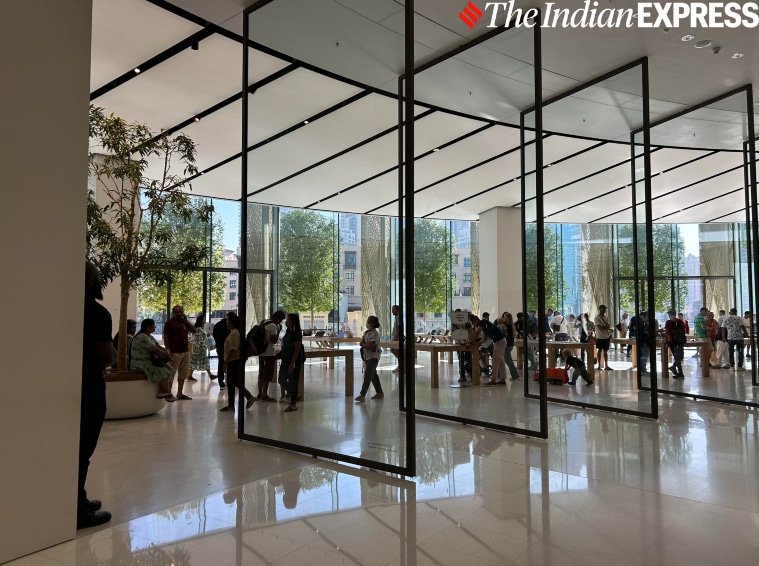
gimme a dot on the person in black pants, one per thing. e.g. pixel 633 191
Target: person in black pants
pixel 97 354
pixel 220 333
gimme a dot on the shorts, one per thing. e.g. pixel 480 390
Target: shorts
pixel 181 363
pixel 267 368
pixel 603 343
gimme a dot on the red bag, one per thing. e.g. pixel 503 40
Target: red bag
pixel 559 376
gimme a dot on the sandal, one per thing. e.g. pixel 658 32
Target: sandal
pixel 290 409
pixel 183 397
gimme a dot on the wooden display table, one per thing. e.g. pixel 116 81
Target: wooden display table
pixel 704 346
pixel 329 343
pixel 435 349
pixel 331 354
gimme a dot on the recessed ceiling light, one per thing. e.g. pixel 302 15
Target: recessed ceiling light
pixel 738 55
pixel 688 37
pixel 703 43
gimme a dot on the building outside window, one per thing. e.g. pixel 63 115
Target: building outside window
pixel 467 292
pixel 350 290
pixel 233 284
pixel 232 296
pixel 350 259
pixel 349 275
pixel 467 277
pixel 467 262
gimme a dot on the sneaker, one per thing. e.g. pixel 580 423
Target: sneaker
pixel 725 367
pixel 283 399
pixel 360 399
pixel 378 396
pixel 490 384
pixel 250 402
pixel 740 368
pixel 514 379
pixel 465 383
pixel 589 382
pixel 222 386
pixel 568 383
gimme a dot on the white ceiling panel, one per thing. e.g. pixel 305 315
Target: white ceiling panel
pixel 362 163
pixel 218 136
pixel 290 100
pixel 321 139
pixel 223 182
pixel 126 33
pixel 697 213
pixel 677 200
pixel 737 216
pixel 181 87
pixel 694 172
pixel 586 163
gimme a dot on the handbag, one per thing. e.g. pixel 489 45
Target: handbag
pixel 591 340
pixel 556 326
pixel 158 361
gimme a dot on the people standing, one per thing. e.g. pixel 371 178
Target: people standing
pixel 232 361
pixel 176 341
pixel 371 354
pixel 723 360
pixel 493 333
pixel 675 337
pixel 199 358
pixel 97 354
pixel 220 333
pixel 293 357
pixel 603 328
pixel 735 333
pixel 640 331
pixel 560 327
pixel 747 327
pixel 267 362
pixel 509 331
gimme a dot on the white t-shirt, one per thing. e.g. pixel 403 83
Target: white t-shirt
pixel 271 332
pixel 562 322
pixel 603 333
pixel 372 336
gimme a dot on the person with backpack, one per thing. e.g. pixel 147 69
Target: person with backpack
pixel 267 361
pixel 675 336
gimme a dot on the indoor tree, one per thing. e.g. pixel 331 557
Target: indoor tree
pixel 138 175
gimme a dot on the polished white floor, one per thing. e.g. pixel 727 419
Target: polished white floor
pixel 603 490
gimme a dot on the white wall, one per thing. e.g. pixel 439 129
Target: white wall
pixel 501 261
pixel 45 57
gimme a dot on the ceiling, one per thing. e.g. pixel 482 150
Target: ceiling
pixel 323 75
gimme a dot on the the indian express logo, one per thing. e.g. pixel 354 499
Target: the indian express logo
pixel 644 15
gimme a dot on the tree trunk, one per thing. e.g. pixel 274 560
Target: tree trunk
pixel 312 320
pixel 121 364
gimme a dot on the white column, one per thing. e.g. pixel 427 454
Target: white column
pixel 501 261
pixel 45 57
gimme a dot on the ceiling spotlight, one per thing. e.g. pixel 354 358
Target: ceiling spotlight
pixel 436 149
pixel 703 43
pixel 688 37
pixel 137 70
pixel 305 122
pixel 738 55
pixel 196 119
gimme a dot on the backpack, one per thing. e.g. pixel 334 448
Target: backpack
pixel 678 333
pixel 257 340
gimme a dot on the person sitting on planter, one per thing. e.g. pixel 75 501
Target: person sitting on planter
pixel 148 356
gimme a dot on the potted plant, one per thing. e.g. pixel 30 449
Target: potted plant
pixel 127 237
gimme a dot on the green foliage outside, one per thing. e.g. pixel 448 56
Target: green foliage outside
pixel 553 275
pixel 308 259
pixel 139 174
pixel 433 254
pixel 669 261
pixel 187 287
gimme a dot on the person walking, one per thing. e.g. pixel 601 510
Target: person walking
pixel 371 354
pixel 735 334
pixel 232 361
pixel 220 333
pixel 199 358
pixel 675 337
pixel 267 362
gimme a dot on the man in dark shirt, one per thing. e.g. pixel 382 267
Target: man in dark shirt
pixel 492 332
pixel 97 354
pixel 175 340
pixel 220 333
